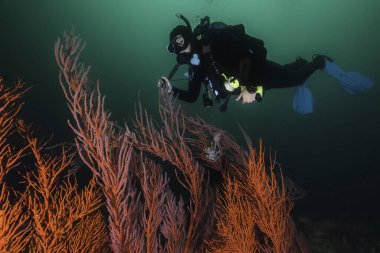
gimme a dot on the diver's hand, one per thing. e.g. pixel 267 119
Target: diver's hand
pixel 246 97
pixel 165 83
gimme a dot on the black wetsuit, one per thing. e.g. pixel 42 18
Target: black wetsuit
pixel 235 60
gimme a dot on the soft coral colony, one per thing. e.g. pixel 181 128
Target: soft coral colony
pixel 134 168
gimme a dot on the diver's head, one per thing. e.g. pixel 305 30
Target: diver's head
pixel 182 42
pixel 179 39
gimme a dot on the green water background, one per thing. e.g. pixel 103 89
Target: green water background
pixel 333 153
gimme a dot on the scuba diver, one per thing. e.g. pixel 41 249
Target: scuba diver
pixel 230 62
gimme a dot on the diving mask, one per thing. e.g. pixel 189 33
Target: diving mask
pixel 177 44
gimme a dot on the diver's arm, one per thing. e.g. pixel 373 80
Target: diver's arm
pixel 192 93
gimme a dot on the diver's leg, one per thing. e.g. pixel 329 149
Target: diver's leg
pixel 298 63
pixel 278 76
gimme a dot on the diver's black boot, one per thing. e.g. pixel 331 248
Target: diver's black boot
pixel 319 60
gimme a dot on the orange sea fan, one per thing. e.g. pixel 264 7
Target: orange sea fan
pixel 255 203
pixel 14 226
pixel 106 149
pixel 58 208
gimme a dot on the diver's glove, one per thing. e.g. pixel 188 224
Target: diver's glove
pixel 165 84
pixel 245 97
pixel 250 94
pixel 258 91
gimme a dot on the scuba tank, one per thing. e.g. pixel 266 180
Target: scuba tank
pixel 205 27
